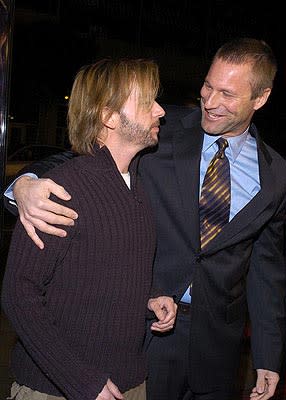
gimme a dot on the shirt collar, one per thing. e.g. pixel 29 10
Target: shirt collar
pixel 235 143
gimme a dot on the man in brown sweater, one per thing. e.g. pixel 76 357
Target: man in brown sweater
pixel 79 305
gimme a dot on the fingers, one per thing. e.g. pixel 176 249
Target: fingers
pixel 46 204
pixel 110 392
pixel 42 226
pixel 105 395
pixel 265 385
pixel 166 322
pixel 51 213
pixel 165 310
pixel 32 196
pixel 114 389
pixel 33 223
pixel 58 190
pixel 32 233
pixel 165 317
pixel 62 211
pixel 159 327
pixel 37 211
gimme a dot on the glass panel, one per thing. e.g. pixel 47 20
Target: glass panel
pixel 6 24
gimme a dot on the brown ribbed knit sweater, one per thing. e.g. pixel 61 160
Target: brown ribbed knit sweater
pixel 79 305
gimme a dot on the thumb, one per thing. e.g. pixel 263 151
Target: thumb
pixel 261 381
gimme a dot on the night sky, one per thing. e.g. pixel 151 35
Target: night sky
pixel 53 39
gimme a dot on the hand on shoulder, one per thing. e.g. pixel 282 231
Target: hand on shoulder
pixel 37 211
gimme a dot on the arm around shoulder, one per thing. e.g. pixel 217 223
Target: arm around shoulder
pixel 36 210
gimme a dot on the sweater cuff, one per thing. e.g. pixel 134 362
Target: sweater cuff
pixel 89 387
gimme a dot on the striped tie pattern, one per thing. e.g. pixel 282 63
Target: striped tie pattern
pixel 215 195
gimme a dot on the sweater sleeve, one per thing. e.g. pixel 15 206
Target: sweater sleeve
pixel 28 272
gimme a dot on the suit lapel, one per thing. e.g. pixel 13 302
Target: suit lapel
pixel 229 234
pixel 186 150
pixel 187 145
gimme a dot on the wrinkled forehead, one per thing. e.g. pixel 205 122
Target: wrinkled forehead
pixel 225 73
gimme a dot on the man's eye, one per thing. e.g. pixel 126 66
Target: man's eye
pixel 227 94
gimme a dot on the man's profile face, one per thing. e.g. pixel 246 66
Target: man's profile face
pixel 140 125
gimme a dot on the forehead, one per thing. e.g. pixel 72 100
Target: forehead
pixel 133 97
pixel 132 102
pixel 223 75
pixel 140 98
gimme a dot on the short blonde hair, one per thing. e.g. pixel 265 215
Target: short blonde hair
pixel 255 52
pixel 107 84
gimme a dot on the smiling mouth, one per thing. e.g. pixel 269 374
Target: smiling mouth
pixel 212 115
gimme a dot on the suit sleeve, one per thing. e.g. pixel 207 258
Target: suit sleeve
pixel 39 168
pixel 266 291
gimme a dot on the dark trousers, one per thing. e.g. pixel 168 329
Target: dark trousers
pixel 168 366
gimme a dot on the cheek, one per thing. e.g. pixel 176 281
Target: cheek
pixel 145 119
pixel 241 109
pixel 233 106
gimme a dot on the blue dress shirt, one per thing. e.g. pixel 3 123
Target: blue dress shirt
pixel 244 172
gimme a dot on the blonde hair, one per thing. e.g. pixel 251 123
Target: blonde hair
pixel 256 52
pixel 106 85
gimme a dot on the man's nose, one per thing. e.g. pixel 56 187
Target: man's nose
pixel 158 111
pixel 212 100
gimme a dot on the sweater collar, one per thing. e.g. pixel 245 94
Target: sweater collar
pixel 110 160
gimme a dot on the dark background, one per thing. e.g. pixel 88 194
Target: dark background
pixel 54 38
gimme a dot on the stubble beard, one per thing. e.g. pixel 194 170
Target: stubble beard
pixel 135 133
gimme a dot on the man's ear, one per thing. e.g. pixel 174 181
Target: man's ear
pixel 261 100
pixel 110 119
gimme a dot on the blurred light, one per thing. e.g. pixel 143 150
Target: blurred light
pixel 66 97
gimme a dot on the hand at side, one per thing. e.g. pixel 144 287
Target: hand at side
pixel 265 384
pixel 110 392
pixel 165 310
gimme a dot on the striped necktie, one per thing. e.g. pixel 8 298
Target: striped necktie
pixel 215 195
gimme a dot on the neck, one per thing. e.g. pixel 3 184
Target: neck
pixel 121 154
pixel 122 158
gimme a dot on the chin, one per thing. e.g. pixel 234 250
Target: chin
pixel 210 128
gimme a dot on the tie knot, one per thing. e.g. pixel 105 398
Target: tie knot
pixel 222 145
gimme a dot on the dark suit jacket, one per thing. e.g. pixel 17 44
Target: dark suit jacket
pixel 244 265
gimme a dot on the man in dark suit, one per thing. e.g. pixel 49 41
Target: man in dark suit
pixel 241 266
